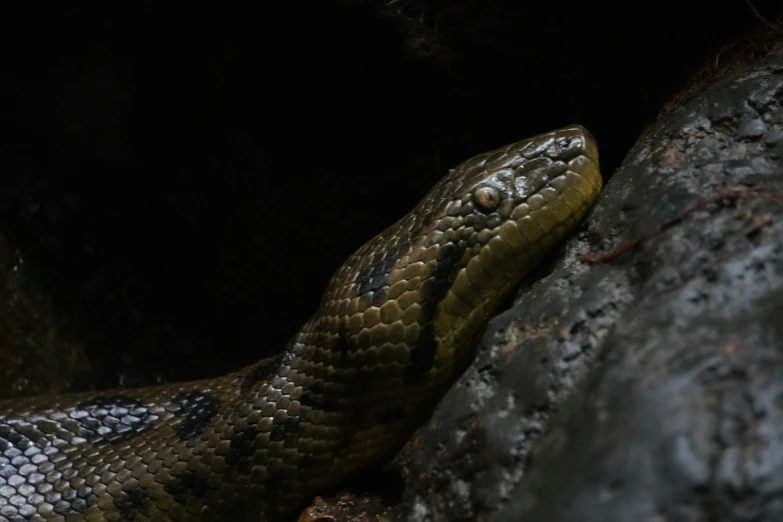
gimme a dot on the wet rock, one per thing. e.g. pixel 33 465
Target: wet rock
pixel 649 385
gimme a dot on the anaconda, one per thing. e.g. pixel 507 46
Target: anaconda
pixel 396 325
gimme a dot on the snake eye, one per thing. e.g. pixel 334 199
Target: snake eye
pixel 486 197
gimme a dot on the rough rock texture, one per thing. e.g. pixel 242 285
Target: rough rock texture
pixel 648 387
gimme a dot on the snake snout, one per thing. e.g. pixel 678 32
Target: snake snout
pixel 550 181
pixel 581 141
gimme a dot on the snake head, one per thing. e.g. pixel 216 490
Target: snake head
pixel 507 208
pixel 418 291
pixel 515 200
pixel 533 170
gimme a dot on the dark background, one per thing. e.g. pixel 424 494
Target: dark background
pixel 183 180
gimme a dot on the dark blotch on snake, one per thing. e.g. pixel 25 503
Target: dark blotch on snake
pixel 266 368
pixel 379 297
pixel 186 486
pixel 111 419
pixel 277 433
pixel 343 343
pixel 291 424
pixel 243 444
pixel 197 408
pixel 132 502
pixel 10 438
pixel 375 275
pixel 63 507
pixel 315 398
pixel 422 354
pixel 378 282
pixel 370 283
pixel 72 503
pixel 284 429
pixel 423 223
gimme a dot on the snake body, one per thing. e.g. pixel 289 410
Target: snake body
pixel 396 325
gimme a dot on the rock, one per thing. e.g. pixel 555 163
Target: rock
pixel 647 386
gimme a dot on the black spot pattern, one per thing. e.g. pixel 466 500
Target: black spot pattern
pixel 266 368
pixel 343 344
pixel 316 398
pixel 184 487
pixel 277 433
pixel 242 446
pixel 72 502
pixel 433 290
pixel 111 419
pixel 379 297
pixel 422 353
pixel 374 276
pixel 291 424
pixel 132 502
pixel 284 429
pixel 10 438
pixel 197 408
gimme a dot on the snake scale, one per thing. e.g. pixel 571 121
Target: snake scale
pixel 396 325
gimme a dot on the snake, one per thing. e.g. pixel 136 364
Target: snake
pixel 397 324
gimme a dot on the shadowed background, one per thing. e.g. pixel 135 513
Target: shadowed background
pixel 179 183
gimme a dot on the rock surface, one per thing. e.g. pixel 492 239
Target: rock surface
pixel 649 386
